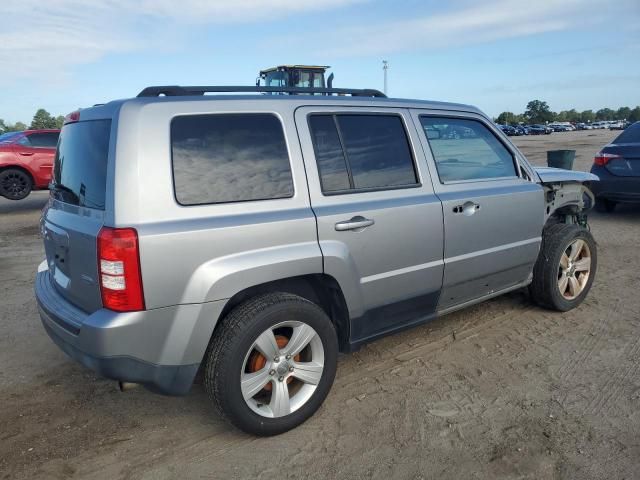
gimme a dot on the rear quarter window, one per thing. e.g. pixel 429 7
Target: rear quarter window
pixel 221 158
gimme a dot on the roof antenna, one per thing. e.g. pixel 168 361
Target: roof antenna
pixel 385 67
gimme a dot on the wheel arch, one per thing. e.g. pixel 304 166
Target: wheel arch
pixel 22 168
pixel 319 288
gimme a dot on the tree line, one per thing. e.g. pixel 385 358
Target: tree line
pixel 41 119
pixel 538 111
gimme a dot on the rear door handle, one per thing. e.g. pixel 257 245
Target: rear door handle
pixel 356 223
pixel 467 208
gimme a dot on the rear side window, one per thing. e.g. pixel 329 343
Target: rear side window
pixel 362 152
pixel 223 158
pixel 466 150
pixel 44 140
pixel 80 166
pixel 630 135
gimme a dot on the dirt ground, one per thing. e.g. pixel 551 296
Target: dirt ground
pixel 501 390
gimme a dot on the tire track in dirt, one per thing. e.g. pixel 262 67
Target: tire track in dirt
pixel 205 450
pixel 587 346
pixel 618 380
pixel 429 347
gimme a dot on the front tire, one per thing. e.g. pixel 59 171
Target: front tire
pixel 15 184
pixel 271 363
pixel 566 267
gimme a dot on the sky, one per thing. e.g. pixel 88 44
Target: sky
pixel 494 54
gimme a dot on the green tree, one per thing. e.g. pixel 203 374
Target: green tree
pixel 18 127
pixel 634 116
pixel 506 117
pixel 59 121
pixel 42 119
pixel 538 112
pixel 3 126
pixel 605 114
pixel 622 113
pixel 568 116
pixel 587 116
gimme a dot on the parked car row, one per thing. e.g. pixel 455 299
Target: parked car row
pixel 518 130
pixel 610 124
pixel 537 129
pixel 26 160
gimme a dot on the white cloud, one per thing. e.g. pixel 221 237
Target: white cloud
pixel 42 39
pixel 486 21
pixel 236 11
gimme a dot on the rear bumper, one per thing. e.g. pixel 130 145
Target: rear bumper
pixel 161 348
pixel 617 189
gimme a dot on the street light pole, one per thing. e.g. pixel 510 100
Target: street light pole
pixel 385 67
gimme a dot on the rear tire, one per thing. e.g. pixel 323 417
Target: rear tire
pixel 605 205
pixel 566 267
pixel 268 394
pixel 15 184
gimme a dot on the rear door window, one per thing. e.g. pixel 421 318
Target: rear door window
pixel 362 152
pixel 80 165
pixel 221 158
pixel 44 140
pixel 465 149
pixel 330 159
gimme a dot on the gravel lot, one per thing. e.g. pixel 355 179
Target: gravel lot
pixel 501 390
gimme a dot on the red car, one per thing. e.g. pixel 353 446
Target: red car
pixel 26 161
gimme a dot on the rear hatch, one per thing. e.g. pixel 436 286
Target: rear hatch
pixel 76 210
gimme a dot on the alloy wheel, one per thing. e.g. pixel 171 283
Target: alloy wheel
pixel 14 184
pixel 282 369
pixel 574 269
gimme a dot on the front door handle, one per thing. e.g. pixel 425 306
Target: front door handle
pixel 467 208
pixel 357 223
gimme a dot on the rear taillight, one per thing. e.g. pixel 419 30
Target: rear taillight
pixel 602 158
pixel 119 269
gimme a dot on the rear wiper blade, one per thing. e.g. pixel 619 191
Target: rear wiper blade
pixel 57 187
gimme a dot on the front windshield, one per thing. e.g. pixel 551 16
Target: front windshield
pixel 276 79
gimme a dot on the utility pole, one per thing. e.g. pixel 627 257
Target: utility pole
pixel 385 67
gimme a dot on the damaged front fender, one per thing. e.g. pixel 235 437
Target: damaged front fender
pixel 567 193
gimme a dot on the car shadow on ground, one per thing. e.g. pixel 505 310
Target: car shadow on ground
pixel 34 202
pixel 626 212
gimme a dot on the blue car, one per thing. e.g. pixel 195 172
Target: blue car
pixel 618 166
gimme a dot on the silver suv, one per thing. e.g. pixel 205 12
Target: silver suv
pixel 253 237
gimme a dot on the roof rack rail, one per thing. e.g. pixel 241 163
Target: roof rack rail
pixel 176 90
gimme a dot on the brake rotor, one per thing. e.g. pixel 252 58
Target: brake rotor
pixel 257 361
